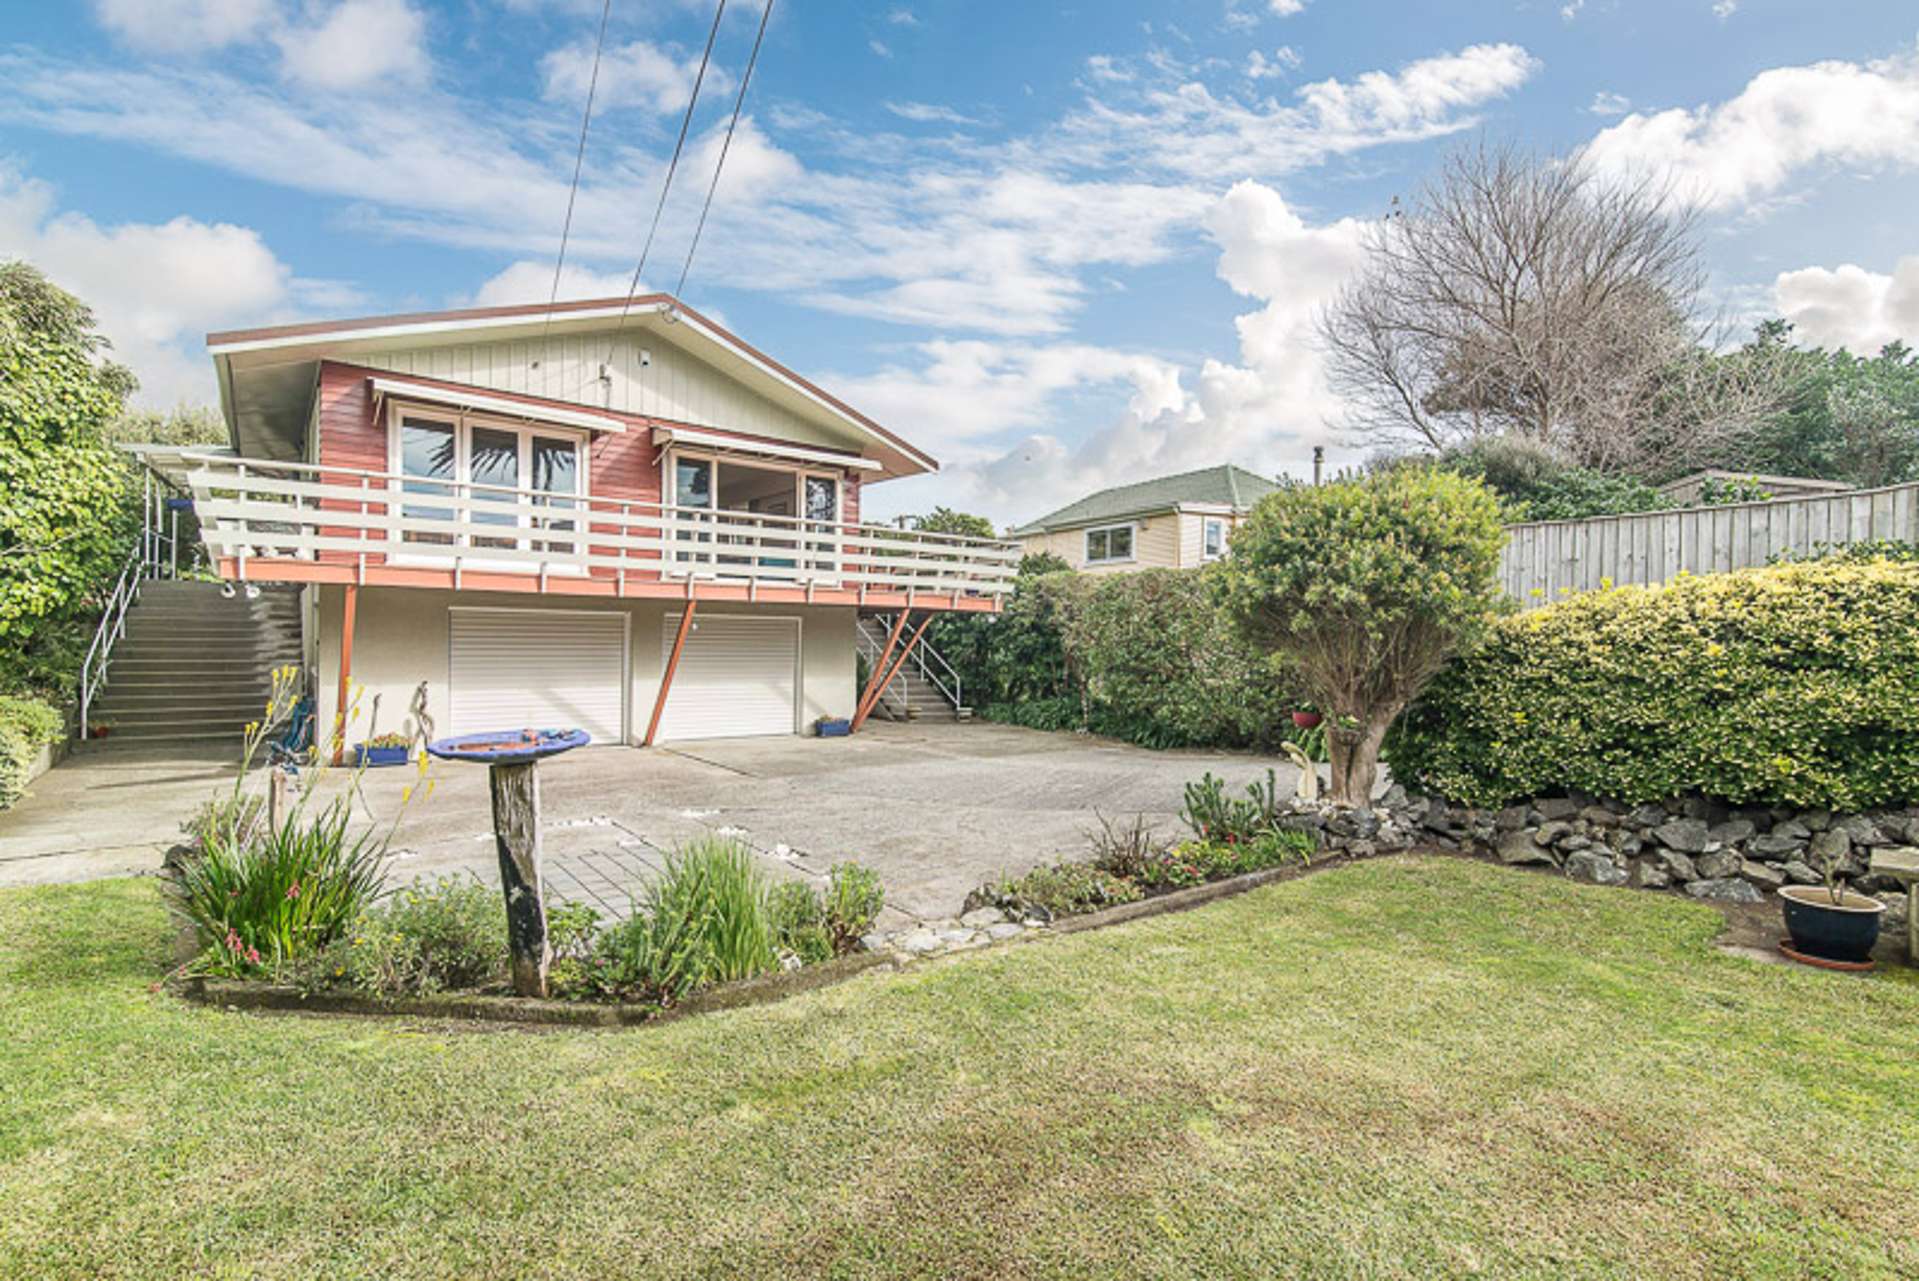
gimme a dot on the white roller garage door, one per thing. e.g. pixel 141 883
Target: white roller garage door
pixel 737 677
pixel 538 669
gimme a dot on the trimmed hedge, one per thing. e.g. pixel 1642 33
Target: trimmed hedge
pixel 26 725
pixel 1792 685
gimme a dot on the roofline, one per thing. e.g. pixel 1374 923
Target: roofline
pixel 223 343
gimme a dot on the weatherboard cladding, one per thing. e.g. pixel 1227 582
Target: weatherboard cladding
pixel 1227 486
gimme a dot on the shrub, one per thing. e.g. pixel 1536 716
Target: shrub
pixel 1852 553
pixel 1196 862
pixel 799 922
pixel 1064 889
pixel 1363 589
pixel 433 936
pixel 26 725
pixel 704 920
pixel 280 894
pixel 573 934
pixel 1217 817
pixel 1793 685
pixel 1122 849
pixel 1040 713
pixel 853 901
pixel 1537 483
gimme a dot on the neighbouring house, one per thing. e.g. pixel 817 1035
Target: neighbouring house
pixel 1174 522
pixel 1685 491
pixel 609 514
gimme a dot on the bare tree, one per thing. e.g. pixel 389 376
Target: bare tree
pixel 1523 295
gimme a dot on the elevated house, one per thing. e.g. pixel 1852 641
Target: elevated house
pixel 609 514
pixel 1172 522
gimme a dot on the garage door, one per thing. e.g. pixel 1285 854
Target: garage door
pixel 538 669
pixel 737 677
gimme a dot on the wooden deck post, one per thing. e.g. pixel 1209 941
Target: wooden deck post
pixel 879 691
pixel 349 607
pixel 672 666
pixel 516 835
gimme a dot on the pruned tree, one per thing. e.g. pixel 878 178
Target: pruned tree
pixel 1525 295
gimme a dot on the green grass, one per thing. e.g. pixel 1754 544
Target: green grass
pixel 1412 1067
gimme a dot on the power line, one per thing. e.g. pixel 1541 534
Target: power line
pixel 679 145
pixel 679 290
pixel 579 159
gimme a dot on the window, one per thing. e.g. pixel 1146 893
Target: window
pixel 1115 542
pixel 494 465
pixel 765 519
pixel 1213 540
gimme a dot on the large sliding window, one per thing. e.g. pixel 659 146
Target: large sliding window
pixel 498 468
pixel 754 517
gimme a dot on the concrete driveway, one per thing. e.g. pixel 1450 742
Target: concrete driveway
pixel 935 808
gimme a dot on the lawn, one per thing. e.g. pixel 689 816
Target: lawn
pixel 1411 1067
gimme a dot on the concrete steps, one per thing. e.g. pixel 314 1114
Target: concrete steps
pixel 194 666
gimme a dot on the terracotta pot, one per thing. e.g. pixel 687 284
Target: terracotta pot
pixel 1306 720
pixel 1842 931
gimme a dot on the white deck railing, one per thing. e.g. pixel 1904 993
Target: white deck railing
pixel 257 513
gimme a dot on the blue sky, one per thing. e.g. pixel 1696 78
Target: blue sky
pixel 1061 246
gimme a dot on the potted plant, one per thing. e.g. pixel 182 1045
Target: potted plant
pixel 99 729
pixel 1831 924
pixel 385 749
pixel 1307 716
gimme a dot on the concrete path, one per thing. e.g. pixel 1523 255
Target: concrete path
pixel 935 808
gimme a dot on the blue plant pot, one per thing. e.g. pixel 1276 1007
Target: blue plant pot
pixel 831 727
pixel 376 757
pixel 1843 931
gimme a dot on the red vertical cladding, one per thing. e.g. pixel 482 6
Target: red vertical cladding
pixel 353 439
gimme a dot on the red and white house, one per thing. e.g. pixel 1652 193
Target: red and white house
pixel 610 514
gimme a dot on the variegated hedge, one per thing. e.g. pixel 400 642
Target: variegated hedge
pixel 1793 685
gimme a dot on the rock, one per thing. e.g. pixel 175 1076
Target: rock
pixel 1718 864
pixel 1647 874
pixel 1362 848
pixel 1597 869
pixel 956 937
pixel 1004 930
pixel 1792 827
pixel 1696 807
pixel 1725 889
pixel 1774 845
pixel 1764 875
pixel 1520 848
pixel 1861 830
pixel 1567 844
pixel 1675 865
pixel 1817 820
pixel 1687 835
pixel 1510 819
pixel 920 942
pixel 872 942
pixel 1644 816
pixel 1037 915
pixel 1830 845
pixel 1800 873
pixel 981 917
pixel 1395 798
pixel 1629 843
pixel 1732 832
pixel 1599 816
pixel 1550 833
pixel 1557 807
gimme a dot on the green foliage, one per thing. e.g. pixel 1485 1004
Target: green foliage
pixel 1851 418
pixel 1536 484
pixel 1050 714
pixel 944 520
pixel 1196 862
pixel 433 936
pixel 262 897
pixel 1123 849
pixel 1792 685
pixel 1852 553
pixel 1361 591
pixel 1014 656
pixel 1715 491
pixel 26 725
pixel 1063 889
pixel 704 920
pixel 799 922
pixel 851 904
pixel 1216 816
pixel 65 524
pixel 573 934
pixel 184 426
pixel 1033 564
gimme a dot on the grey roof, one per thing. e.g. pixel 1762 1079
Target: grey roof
pixel 1227 486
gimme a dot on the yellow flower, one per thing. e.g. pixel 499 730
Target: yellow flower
pixel 1605 584
pixel 406 794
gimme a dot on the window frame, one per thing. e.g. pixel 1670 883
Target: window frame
pixel 1207 524
pixel 828 553
pixel 1130 528
pixel 463 422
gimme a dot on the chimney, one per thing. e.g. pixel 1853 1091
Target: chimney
pixel 1319 461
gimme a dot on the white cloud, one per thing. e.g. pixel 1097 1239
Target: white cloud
pixel 1286 8
pixel 1725 8
pixel 1863 115
pixel 157 288
pixel 1260 67
pixel 1851 307
pixel 637 74
pixel 1571 8
pixel 356 44
pixel 880 48
pixel 528 281
pixel 1606 103
pixel 930 113
pixel 902 18
pixel 184 26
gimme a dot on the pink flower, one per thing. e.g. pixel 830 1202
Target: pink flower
pixel 293 890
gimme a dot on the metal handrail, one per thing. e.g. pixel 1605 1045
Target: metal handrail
pixel 873 651
pixel 154 554
pixel 921 652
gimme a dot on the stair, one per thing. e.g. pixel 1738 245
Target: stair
pixel 194 667
pixel 911 696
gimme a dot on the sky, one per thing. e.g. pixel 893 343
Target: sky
pixel 1060 246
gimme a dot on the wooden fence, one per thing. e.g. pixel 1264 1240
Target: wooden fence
pixel 1546 560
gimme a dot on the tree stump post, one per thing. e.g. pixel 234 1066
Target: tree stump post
pixel 516 834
